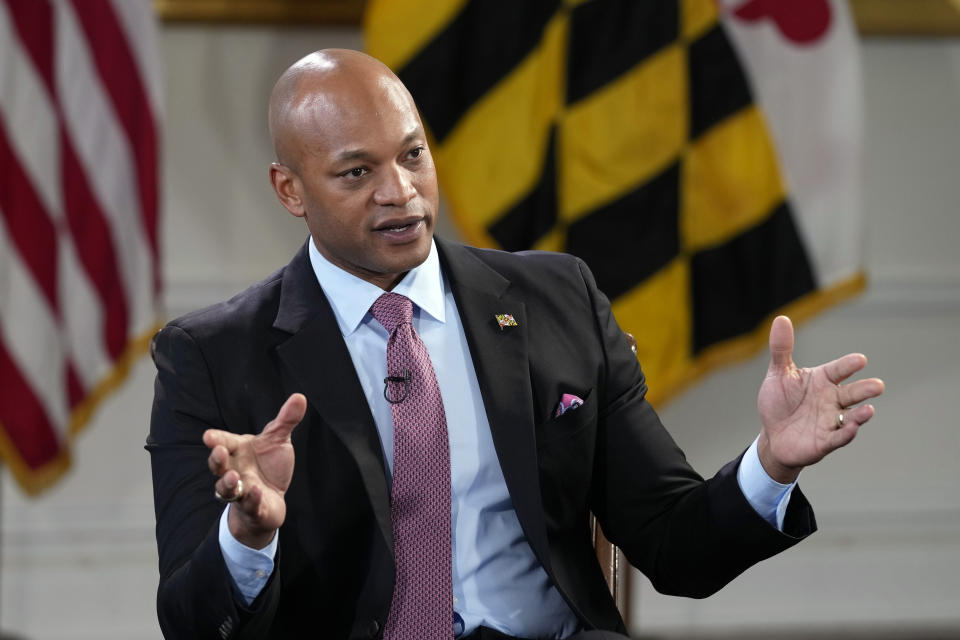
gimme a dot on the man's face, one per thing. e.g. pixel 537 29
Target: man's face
pixel 366 180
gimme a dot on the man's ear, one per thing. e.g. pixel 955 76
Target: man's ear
pixel 287 186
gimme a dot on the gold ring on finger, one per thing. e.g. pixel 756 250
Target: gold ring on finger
pixel 237 495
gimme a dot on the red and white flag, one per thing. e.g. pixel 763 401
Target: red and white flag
pixel 79 256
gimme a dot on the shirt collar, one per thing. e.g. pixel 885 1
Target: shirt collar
pixel 351 297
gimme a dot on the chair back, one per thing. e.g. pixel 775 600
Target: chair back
pixel 614 565
pixel 615 568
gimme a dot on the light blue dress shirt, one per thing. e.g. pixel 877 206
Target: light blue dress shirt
pixel 497 581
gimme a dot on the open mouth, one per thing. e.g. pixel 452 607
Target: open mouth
pixel 401 227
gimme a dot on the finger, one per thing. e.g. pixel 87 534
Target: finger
pixel 214 437
pixel 842 368
pixel 853 419
pixel 250 502
pixel 856 392
pixel 861 414
pixel 228 484
pixel 781 342
pixel 252 498
pixel 289 416
pixel 843 436
pixel 218 459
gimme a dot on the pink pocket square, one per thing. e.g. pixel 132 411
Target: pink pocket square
pixel 568 401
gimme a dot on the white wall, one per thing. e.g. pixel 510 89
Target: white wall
pixel 80 562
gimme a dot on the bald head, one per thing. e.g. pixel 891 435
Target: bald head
pixel 355 164
pixel 317 88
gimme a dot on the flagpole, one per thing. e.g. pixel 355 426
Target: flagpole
pixel 3 636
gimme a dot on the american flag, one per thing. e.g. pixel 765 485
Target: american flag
pixel 79 255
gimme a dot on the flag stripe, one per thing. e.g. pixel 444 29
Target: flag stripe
pixel 116 66
pixel 631 32
pixel 22 416
pixel 730 181
pixel 92 238
pixel 604 133
pixel 138 27
pixel 29 226
pixel 75 389
pixel 529 220
pixel 84 325
pixel 466 60
pixel 106 159
pixel 532 93
pixel 393 33
pixel 633 237
pixel 31 118
pixel 696 16
pixel 738 284
pixel 718 86
pixel 32 337
pixel 658 309
pixel 33 22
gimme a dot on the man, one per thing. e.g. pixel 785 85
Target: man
pixel 447 495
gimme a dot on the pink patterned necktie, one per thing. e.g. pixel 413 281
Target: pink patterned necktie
pixel 422 606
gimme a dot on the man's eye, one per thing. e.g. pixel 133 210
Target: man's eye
pixel 416 153
pixel 356 172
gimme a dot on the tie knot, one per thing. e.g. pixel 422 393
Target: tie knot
pixel 392 309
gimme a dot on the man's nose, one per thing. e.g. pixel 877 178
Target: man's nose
pixel 396 188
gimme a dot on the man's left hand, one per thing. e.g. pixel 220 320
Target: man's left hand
pixel 801 409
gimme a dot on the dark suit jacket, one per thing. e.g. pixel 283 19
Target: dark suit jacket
pixel 232 365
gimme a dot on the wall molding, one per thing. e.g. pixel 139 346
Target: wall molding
pixel 859 571
pixel 873 17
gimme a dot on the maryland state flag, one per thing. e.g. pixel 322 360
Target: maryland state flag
pixel 632 134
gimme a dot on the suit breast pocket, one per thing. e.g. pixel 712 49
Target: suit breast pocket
pixel 565 448
pixel 570 423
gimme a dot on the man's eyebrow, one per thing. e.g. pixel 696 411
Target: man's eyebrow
pixel 362 154
pixel 352 154
pixel 413 135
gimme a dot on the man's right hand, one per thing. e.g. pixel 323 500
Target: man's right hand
pixel 265 465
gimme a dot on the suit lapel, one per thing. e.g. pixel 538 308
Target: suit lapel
pixel 500 357
pixel 320 362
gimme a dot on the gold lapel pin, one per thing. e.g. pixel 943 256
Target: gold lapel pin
pixel 505 320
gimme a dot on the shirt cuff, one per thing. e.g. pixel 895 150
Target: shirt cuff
pixel 768 497
pixel 250 568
